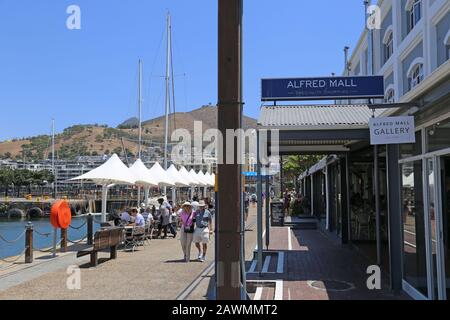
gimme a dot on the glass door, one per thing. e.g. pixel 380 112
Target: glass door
pixel 443 207
pixel 415 257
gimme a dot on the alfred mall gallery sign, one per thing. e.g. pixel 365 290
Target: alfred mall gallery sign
pixel 392 130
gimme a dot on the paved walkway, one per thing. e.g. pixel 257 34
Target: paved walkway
pixel 153 272
pixel 315 268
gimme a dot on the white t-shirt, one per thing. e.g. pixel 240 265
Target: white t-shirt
pixel 124 216
pixel 140 221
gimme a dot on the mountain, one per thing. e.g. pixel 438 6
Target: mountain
pixel 129 124
pixel 81 140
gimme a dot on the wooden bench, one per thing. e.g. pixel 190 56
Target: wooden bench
pixel 104 239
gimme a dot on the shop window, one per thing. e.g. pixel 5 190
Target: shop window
pixel 414 13
pixel 439 136
pixel 413 217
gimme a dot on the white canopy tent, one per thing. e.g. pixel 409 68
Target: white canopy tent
pixel 209 179
pixel 195 178
pixel 160 176
pixel 201 176
pixel 183 172
pixel 179 180
pixel 144 179
pixel 112 172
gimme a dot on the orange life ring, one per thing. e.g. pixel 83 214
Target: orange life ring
pixel 60 215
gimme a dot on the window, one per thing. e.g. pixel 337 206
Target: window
pixel 447 45
pixel 414 13
pixel 390 96
pixel 415 73
pixel 388 42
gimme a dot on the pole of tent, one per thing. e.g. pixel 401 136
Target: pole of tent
pixel 104 201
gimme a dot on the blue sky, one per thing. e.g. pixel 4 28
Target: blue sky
pixel 90 75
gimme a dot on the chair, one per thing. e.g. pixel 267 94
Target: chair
pixel 106 225
pixel 149 228
pixel 136 238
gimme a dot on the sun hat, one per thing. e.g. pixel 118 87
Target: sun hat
pixel 195 205
pixel 202 204
pixel 187 204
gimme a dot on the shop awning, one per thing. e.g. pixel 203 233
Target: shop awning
pixel 324 129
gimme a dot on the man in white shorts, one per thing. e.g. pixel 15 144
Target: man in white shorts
pixel 203 230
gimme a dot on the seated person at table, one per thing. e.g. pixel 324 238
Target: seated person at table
pixel 139 220
pixel 125 216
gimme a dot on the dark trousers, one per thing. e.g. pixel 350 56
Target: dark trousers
pixel 170 227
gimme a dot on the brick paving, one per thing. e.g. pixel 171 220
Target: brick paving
pixel 315 260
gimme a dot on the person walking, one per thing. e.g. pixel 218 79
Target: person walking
pixel 165 214
pixel 203 230
pixel 187 217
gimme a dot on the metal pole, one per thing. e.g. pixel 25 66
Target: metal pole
pixel 104 202
pixel 259 208
pixel 243 271
pixel 395 218
pixel 166 137
pixel 327 196
pixel 377 202
pixel 267 211
pixel 229 174
pixel 53 160
pixel 140 109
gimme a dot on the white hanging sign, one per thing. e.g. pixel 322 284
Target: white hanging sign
pixel 392 130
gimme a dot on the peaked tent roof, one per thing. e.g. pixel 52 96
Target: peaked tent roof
pixel 195 178
pixel 177 177
pixel 201 176
pixel 208 177
pixel 113 171
pixel 185 174
pixel 160 176
pixel 142 174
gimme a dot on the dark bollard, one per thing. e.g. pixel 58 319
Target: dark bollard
pixel 90 228
pixel 29 243
pixel 63 240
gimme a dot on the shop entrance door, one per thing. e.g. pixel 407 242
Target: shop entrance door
pixel 438 179
pixel 442 228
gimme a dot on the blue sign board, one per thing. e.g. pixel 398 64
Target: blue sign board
pixel 250 174
pixel 328 88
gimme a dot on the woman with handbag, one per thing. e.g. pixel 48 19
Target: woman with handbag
pixel 187 218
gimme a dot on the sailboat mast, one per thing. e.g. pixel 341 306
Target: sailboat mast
pixel 169 43
pixel 140 109
pixel 53 158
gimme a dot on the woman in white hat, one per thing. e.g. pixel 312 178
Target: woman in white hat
pixel 187 217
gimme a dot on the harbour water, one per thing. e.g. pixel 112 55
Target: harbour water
pixel 11 229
